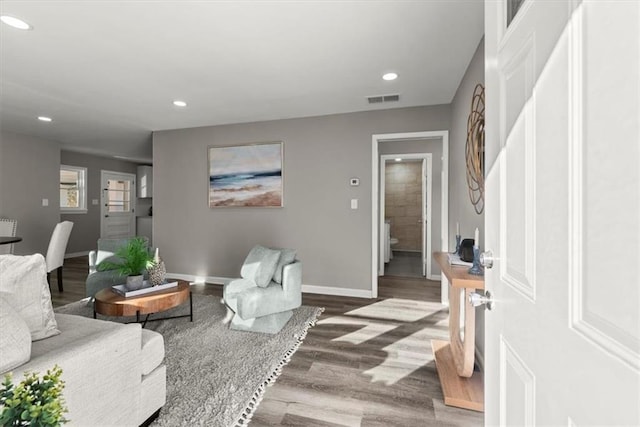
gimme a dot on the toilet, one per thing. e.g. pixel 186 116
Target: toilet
pixel 388 254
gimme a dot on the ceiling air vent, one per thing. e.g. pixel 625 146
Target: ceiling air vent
pixel 377 99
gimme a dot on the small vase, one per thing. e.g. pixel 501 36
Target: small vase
pixel 158 271
pixel 134 282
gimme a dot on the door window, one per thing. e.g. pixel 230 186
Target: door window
pixel 118 195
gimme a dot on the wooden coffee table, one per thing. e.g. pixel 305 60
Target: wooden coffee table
pixel 109 303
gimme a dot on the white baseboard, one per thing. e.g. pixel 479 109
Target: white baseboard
pixel 436 277
pixel 309 289
pixel 76 254
pixel 341 292
pixel 479 359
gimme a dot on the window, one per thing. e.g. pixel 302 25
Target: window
pixel 73 189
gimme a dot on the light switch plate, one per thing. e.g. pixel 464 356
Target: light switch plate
pixel 45 202
pixel 94 202
pixel 354 203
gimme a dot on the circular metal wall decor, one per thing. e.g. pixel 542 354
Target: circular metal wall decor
pixel 474 150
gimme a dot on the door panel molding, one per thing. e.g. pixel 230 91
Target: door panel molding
pixel 604 332
pixel 509 358
pixel 519 165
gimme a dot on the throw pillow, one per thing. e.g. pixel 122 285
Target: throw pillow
pixel 15 339
pixel 260 265
pixel 23 283
pixel 287 256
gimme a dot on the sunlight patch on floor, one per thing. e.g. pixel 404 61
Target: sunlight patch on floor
pixel 404 357
pixel 399 309
pixel 370 330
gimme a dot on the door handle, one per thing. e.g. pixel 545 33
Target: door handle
pixel 476 300
pixel 486 259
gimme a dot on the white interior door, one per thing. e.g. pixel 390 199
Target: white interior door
pixel 562 343
pixel 118 201
pixel 427 229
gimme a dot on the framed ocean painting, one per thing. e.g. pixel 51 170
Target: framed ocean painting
pixel 246 175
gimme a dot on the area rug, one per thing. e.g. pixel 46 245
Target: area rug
pixel 216 376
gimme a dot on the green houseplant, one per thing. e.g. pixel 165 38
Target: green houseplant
pixel 33 402
pixel 135 258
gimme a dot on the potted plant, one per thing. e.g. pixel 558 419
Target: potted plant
pixel 34 401
pixel 135 259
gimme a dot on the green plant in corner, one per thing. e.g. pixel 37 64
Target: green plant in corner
pixel 34 401
pixel 135 259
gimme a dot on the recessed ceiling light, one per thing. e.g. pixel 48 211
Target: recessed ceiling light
pixel 44 119
pixel 15 22
pixel 398 159
pixel 390 76
pixel 179 103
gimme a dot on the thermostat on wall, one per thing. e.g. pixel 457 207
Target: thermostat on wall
pixel 354 182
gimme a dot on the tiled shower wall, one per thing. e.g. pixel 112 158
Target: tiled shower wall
pixel 403 203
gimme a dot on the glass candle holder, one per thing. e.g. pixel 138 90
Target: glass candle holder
pixel 476 268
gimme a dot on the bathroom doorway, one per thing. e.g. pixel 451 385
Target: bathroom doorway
pixel 424 142
pixel 405 205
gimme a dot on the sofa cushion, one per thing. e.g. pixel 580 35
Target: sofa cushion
pixel 15 339
pixel 23 283
pixel 287 256
pixel 260 265
pixel 152 351
pixel 101 367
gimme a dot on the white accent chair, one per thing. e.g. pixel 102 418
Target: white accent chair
pixel 270 289
pixel 56 250
pixel 7 228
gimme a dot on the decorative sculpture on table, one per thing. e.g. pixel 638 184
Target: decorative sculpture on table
pixel 158 270
pixel 474 150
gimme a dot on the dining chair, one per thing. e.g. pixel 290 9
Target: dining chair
pixel 56 250
pixel 7 228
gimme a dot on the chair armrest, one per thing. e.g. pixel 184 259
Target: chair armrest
pixel 92 262
pixel 292 280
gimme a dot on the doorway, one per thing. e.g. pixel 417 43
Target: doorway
pixel 406 212
pixel 381 143
pixel 117 204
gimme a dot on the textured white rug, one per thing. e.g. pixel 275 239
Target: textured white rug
pixel 217 376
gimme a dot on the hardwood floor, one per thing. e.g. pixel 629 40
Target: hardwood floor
pixel 365 363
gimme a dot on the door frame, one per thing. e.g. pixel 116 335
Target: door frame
pixel 134 198
pixel 425 189
pixel 443 135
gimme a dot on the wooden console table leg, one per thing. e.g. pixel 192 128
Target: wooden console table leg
pixel 467 393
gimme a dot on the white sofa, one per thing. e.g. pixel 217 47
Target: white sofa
pixel 114 373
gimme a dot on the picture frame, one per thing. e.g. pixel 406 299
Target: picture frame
pixel 246 175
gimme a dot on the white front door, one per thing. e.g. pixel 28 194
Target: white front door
pixel 562 342
pixel 118 200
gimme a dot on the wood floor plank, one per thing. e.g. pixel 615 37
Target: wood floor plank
pixel 330 376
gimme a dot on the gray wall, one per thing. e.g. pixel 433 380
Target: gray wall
pixel 460 207
pixel 433 146
pixel 30 172
pixel 86 227
pixel 320 155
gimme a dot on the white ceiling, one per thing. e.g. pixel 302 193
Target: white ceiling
pixel 108 71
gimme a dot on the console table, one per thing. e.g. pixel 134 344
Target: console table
pixel 461 386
